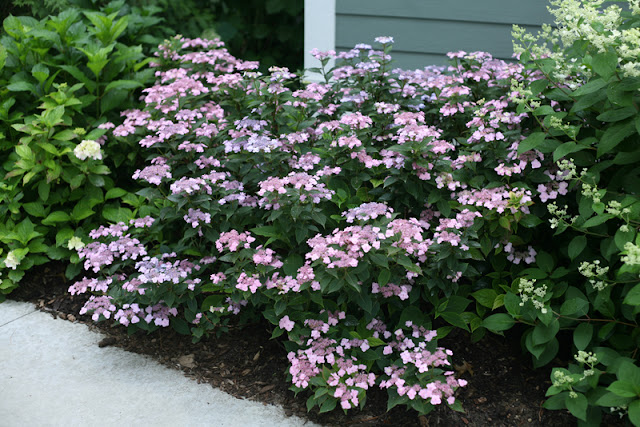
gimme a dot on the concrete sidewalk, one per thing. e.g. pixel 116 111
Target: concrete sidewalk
pixel 52 373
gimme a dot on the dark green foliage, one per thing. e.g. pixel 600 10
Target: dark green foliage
pixel 269 31
pixel 60 77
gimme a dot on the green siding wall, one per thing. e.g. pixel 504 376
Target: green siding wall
pixel 425 30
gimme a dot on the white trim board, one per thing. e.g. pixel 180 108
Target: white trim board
pixel 319 33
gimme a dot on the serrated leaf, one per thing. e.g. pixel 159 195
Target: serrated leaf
pixel 531 142
pixel 498 322
pixel 617 114
pixel 123 84
pixel 605 64
pixel 614 135
pixel 56 217
pixel 592 86
pixel 34 209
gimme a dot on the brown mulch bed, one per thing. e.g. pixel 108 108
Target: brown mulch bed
pixel 503 390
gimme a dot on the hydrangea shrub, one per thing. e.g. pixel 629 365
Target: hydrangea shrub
pixel 367 215
pixel 61 76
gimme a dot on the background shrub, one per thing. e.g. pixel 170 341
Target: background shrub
pixel 269 31
pixel 61 77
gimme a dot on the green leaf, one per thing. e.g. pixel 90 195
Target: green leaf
pixel 485 297
pixel 567 148
pixel 545 261
pixel 455 319
pixel 596 220
pixel 582 335
pixel 53 116
pixel 384 276
pixel 605 64
pixel 531 142
pixel 35 209
pixel 623 237
pixel 404 261
pixel 578 406
pixel 81 210
pixel 634 412
pixel 328 405
pixel 544 333
pixel 292 264
pixel 395 399
pixel 123 84
pixel 498 322
pixel 623 389
pixel 63 236
pixel 612 400
pixel 56 217
pixel 25 152
pixel 65 135
pixel 576 246
pixel 633 297
pixel 117 214
pixel 267 231
pixel 40 72
pixel 80 76
pixel 3 56
pixel 21 86
pixel 115 193
pixel 43 190
pixel 557 401
pixel 617 114
pixel 112 100
pixel 593 86
pixel 614 135
pixel 573 306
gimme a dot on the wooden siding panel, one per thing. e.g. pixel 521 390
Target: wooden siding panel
pixel 521 12
pixel 426 36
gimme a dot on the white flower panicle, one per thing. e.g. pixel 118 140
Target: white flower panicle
pixel 88 149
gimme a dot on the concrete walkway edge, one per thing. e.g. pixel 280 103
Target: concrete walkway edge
pixel 54 374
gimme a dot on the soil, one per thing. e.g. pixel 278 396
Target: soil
pixel 503 390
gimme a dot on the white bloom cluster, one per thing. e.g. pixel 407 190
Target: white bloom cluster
pixel 560 214
pixel 529 292
pixel 595 274
pixel 561 378
pixel 586 357
pixel 592 192
pixel 584 20
pixel 11 261
pixel 88 149
pixel 633 254
pixel 568 169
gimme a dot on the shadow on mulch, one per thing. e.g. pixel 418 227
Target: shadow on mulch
pixel 503 390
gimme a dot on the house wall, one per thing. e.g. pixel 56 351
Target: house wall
pixel 425 30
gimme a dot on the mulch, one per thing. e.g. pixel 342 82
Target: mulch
pixel 503 389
